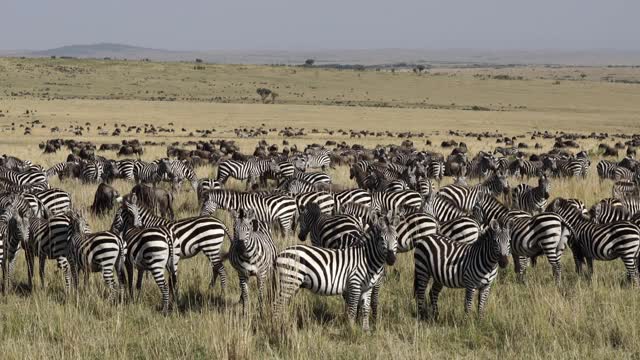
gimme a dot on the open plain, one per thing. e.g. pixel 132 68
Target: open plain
pixel 599 318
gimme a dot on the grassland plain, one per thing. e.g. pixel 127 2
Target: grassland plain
pixel 580 319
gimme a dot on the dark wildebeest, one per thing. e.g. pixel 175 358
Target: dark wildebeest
pixel 157 199
pixel 105 199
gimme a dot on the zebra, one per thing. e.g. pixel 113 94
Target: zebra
pixel 324 200
pixel 55 201
pixel 357 196
pixel 23 189
pixel 92 172
pixel 455 265
pixel 465 197
pixel 252 253
pixel 439 207
pixel 177 171
pixel 611 170
pixel 319 160
pixel 610 210
pixel 545 233
pixel 205 185
pixel 14 230
pixel 126 169
pixel 435 170
pixel 144 172
pixel 412 227
pixel 296 186
pixel 482 165
pixel 578 167
pixel 25 204
pixel 531 199
pixel 354 271
pixel 600 241
pixel 56 169
pixel 464 229
pixel 22 178
pixel 148 249
pixel 191 236
pixel 274 208
pixel 336 232
pixel 394 201
pixel 245 170
pixel 314 178
pixel 102 251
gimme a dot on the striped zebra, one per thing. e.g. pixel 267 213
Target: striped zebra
pixel 353 271
pixel 412 227
pixel 482 165
pixel 56 169
pixel 531 199
pixel 396 200
pixel 357 196
pixel 177 171
pixel 205 185
pixel 252 253
pixel 454 265
pixel 191 236
pixel 92 172
pixel 531 236
pixel 439 207
pixel 320 160
pixel 336 232
pixel 296 186
pixel 25 204
pixel 435 170
pixel 22 178
pixel 314 178
pixel 148 249
pixel 609 210
pixel 324 200
pixel 465 197
pixel 102 251
pixel 464 230
pixel 55 201
pixel 146 173
pixel 577 167
pixel 126 169
pixel 611 170
pixel 250 170
pixel 278 209
pixel 600 241
pixel 14 230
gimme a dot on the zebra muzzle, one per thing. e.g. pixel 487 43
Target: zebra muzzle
pixel 391 258
pixel 503 261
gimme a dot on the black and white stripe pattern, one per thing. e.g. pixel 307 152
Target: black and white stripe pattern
pixel 250 170
pixel 354 271
pixel 22 178
pixel 600 241
pixel 177 171
pixel 146 173
pixel 252 253
pixel 455 265
pixel 395 200
pixel 531 199
pixel 330 231
pixel 465 197
pixel 92 172
pixel 55 201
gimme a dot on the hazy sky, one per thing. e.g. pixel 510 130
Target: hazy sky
pixel 328 24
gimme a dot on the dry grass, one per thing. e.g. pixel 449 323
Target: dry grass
pixel 597 319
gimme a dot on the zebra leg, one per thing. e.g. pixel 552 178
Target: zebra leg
pixel 30 268
pixel 436 288
pixel 287 284
pixel 129 269
pixel 139 283
pixel 366 301
pixel 375 294
pixel 158 276
pixel 483 295
pixel 261 278
pixel 519 264
pixel 468 300
pixel 590 267
pixel 109 281
pixel 42 262
pixel 218 270
pixel 630 265
pixel 244 294
pixel 63 264
pixel 353 300
pixel 554 260
pixel 420 282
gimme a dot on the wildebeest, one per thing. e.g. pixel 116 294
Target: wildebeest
pixel 160 200
pixel 104 199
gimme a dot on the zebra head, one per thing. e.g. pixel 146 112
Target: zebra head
pixel 130 213
pixel 501 237
pixel 77 227
pixel 385 230
pixel 209 205
pixel 244 224
pixel 274 166
pixel 17 227
pixel 308 217
pixel 544 184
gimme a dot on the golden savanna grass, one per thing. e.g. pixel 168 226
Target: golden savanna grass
pixel 592 319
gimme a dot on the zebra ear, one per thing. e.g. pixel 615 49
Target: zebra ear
pixel 494 225
pixel 133 199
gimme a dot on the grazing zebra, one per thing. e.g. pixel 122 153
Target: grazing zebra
pixel 14 230
pixel 600 241
pixel 252 253
pixel 102 251
pixel 578 167
pixel 55 201
pixel 22 178
pixel 611 170
pixel 245 170
pixel 177 171
pixel 545 233
pixel 531 199
pixel 205 185
pixel 455 265
pixel 396 200
pixel 56 169
pixel 465 197
pixel 353 271
pixel 319 160
pixel 191 236
pixel 269 209
pixel 148 249
pixel 336 232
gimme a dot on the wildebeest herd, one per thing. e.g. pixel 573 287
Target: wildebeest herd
pixel 459 233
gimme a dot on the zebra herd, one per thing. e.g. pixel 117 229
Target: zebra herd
pixel 460 234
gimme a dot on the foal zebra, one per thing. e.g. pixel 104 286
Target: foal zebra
pixel 353 271
pixel 454 265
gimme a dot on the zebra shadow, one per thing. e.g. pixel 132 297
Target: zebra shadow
pixel 319 313
pixel 194 300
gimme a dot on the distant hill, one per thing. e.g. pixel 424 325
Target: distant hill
pixel 368 57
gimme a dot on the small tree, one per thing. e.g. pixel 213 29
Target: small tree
pixel 309 62
pixel 264 93
pixel 199 61
pixel 274 95
pixel 583 75
pixel 420 69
